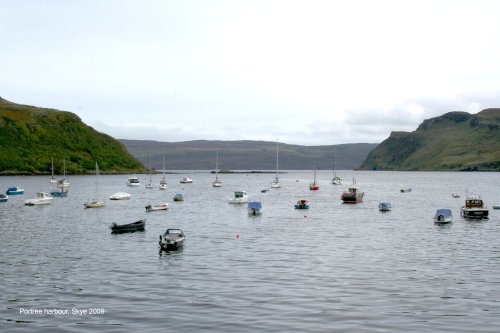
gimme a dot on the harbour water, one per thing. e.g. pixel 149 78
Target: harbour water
pixel 332 268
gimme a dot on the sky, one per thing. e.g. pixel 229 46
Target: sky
pixel 304 72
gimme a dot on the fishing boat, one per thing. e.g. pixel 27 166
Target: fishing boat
pixel 217 182
pixel 254 208
pixel 63 183
pixel 3 197
pixel 95 202
pixel 384 206
pixel 239 197
pixel 14 190
pixel 120 196
pixel 133 181
pixel 353 194
pixel 275 183
pixel 314 185
pixel 172 240
pixel 186 180
pixel 179 197
pixel 162 206
pixel 336 180
pixel 163 181
pixel 42 198
pixel 474 207
pixel 130 227
pixel 150 184
pixel 443 216
pixel 302 204
pixel 53 179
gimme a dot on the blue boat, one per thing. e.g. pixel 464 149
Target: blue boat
pixel 254 208
pixel 302 204
pixel 15 190
pixel 442 216
pixel 384 206
pixel 59 194
pixel 179 197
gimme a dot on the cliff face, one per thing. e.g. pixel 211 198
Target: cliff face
pixel 453 141
pixel 31 136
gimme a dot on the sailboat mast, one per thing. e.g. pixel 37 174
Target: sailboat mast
pixel 277 154
pixel 216 162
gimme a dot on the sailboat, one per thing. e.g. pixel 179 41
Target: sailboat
pixel 53 179
pixel 314 185
pixel 163 181
pixel 336 180
pixel 217 182
pixel 95 202
pixel 63 184
pixel 276 182
pixel 150 184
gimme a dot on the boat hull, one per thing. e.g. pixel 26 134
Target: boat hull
pixel 131 227
pixel 474 213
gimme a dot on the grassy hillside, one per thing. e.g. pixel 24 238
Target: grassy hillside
pixel 31 136
pixel 453 141
pixel 246 155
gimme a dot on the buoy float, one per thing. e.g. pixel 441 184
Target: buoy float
pixel 238 235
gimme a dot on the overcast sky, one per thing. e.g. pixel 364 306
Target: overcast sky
pixel 306 72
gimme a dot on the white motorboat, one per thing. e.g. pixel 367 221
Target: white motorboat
pixel 42 198
pixel 133 181
pixel 239 197
pixel 120 196
pixel 162 206
pixel 186 180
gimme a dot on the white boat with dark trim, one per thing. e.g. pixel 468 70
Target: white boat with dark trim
pixel 133 181
pixel 474 207
pixel 120 196
pixel 42 198
pixel 186 180
pixel 162 206
pixel 239 197
pixel 384 206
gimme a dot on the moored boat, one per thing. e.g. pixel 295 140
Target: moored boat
pixel 120 196
pixel 406 190
pixel 133 181
pixel 95 202
pixel 130 227
pixel 314 185
pixel 254 208
pixel 3 197
pixel 186 180
pixel 162 206
pixel 172 240
pixel 384 206
pixel 443 216
pixel 275 183
pixel 239 197
pixel 336 180
pixel 302 204
pixel 14 190
pixel 42 198
pixel 474 207
pixel 163 181
pixel 353 194
pixel 217 182
pixel 179 197
pixel 62 192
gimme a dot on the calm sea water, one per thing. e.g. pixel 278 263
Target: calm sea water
pixel 334 268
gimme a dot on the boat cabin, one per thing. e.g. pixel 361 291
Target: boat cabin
pixel 474 202
pixel 239 194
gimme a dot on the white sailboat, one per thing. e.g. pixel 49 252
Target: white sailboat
pixel 336 180
pixel 63 184
pixel 95 202
pixel 53 179
pixel 163 181
pixel 150 184
pixel 217 182
pixel 276 182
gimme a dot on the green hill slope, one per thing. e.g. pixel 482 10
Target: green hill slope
pixel 453 141
pixel 31 136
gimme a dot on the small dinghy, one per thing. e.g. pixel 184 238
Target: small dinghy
pixel 162 206
pixel 384 206
pixel 4 197
pixel 172 240
pixel 179 197
pixel 443 216
pixel 130 227
pixel 302 204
